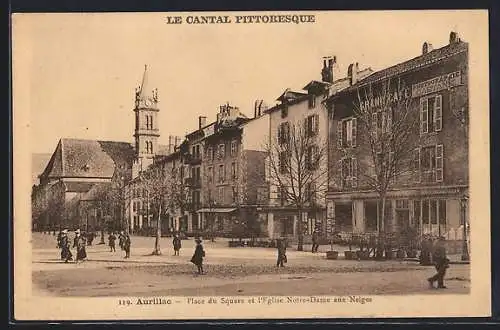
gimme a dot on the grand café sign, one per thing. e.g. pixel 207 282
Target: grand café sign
pixel 436 84
pixel 430 86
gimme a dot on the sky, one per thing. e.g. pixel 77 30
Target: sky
pixel 74 75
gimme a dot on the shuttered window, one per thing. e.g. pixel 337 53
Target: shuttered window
pixel 438 113
pixel 424 116
pixel 439 163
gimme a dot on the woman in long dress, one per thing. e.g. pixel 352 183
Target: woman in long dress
pixel 199 254
pixel 81 243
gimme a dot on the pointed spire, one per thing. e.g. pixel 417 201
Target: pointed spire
pixel 144 95
pixel 144 84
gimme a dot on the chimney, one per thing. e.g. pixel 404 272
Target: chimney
pixel 454 37
pixel 202 121
pixel 177 141
pixel 352 73
pixel 327 71
pixel 259 108
pixel 426 47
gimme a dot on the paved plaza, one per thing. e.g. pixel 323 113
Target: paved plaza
pixel 230 271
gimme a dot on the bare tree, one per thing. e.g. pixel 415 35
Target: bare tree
pixel 389 129
pixel 296 160
pixel 165 194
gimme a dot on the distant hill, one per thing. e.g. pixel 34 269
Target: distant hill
pixel 38 163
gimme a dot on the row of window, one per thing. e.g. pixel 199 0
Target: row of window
pixel 309 162
pixel 431 120
pixel 428 166
pixel 221 193
pixel 221 178
pixel 220 151
pixel 311 128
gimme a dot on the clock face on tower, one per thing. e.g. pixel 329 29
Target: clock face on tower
pixel 147 102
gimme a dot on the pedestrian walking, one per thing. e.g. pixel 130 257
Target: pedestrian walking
pixel 90 237
pixel 315 244
pixel 281 245
pixel 126 245
pixel 199 254
pixel 111 240
pixel 64 244
pixel 121 238
pixel 441 262
pixel 176 242
pixel 81 244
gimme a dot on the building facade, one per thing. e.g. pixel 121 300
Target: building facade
pixel 431 196
pixel 304 115
pixel 232 175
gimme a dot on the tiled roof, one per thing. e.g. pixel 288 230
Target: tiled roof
pixel 89 158
pixel 431 57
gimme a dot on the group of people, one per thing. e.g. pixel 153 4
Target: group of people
pixel 123 241
pixel 79 242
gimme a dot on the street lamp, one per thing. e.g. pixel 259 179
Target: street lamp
pixel 101 222
pixel 465 247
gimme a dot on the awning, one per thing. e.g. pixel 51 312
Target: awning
pixel 217 210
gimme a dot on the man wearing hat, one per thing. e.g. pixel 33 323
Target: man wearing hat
pixel 441 262
pixel 199 254
pixel 126 245
pixel 176 242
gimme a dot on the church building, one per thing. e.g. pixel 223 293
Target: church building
pixel 82 185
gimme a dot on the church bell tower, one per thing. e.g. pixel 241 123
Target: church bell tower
pixel 146 124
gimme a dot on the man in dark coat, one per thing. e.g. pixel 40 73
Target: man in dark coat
pixel 176 242
pixel 441 262
pixel 112 239
pixel 199 254
pixel 315 244
pixel 126 245
pixel 281 245
pixel 121 238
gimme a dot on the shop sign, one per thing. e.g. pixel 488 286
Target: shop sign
pixel 437 84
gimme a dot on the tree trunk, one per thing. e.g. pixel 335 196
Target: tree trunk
pixel 157 250
pixel 381 229
pixel 300 229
